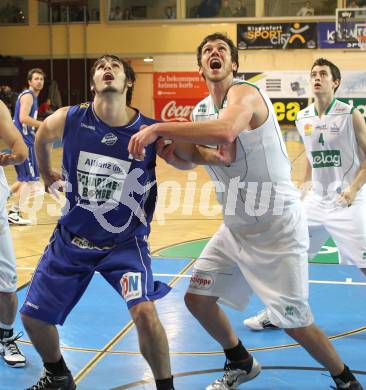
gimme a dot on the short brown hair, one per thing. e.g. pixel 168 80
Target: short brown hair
pixel 221 37
pixel 129 72
pixel 336 73
pixel 35 70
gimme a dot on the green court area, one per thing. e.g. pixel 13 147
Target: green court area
pixel 192 249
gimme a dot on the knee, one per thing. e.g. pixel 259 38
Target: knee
pixel 144 315
pixel 29 322
pixel 296 333
pixel 194 302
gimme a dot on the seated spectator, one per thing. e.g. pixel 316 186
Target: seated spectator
pixel 169 12
pixel 353 4
pixel 225 10
pixel 306 10
pixel 206 9
pixel 9 97
pixel 240 10
pixel 116 14
pixel 127 14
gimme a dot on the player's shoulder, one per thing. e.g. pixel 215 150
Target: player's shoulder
pixel 340 108
pixel 145 120
pixel 307 112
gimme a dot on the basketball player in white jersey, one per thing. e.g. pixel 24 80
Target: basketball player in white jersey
pixel 262 244
pixel 334 135
pixel 8 276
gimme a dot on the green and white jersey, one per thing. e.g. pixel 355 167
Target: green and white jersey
pixel 258 184
pixel 331 148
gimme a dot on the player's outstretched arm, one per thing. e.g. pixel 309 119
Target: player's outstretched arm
pixel 13 139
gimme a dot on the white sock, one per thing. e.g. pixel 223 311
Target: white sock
pixel 14 209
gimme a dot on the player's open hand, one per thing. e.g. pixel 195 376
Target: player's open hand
pixel 7 159
pixel 146 136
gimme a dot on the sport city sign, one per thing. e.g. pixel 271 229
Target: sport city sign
pixel 277 36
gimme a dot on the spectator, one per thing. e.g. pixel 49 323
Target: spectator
pixel 225 10
pixel 169 13
pixel 9 97
pixel 116 14
pixel 206 9
pixel 240 10
pixel 127 14
pixel 353 4
pixel 306 10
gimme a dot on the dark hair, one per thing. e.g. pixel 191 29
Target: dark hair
pixel 129 72
pixel 35 70
pixel 336 73
pixel 222 37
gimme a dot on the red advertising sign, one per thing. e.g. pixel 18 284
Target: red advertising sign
pixel 176 94
pixel 172 110
pixel 179 85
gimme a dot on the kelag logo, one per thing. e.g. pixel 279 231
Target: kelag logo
pixel 326 158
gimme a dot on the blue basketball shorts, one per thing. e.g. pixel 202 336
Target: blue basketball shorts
pixel 68 265
pixel 28 170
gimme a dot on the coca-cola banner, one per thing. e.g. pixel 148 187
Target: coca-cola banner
pixel 176 94
pixel 172 110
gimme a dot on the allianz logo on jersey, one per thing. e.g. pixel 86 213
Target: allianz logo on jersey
pixel 326 158
pixel 109 139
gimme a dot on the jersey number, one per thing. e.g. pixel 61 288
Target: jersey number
pixel 321 139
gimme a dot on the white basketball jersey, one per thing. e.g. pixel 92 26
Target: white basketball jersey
pixel 258 184
pixel 331 148
pixel 4 189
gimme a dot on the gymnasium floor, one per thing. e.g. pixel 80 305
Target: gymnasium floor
pixel 100 343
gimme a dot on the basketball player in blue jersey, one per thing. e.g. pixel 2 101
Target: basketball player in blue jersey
pixel 25 119
pixel 110 200
pixel 8 276
pixel 262 244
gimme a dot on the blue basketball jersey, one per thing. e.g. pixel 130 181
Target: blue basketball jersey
pixel 26 131
pixel 110 196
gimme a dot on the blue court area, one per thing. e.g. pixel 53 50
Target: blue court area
pixel 100 343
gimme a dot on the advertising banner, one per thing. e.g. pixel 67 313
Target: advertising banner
pixel 277 36
pixel 179 85
pixel 176 94
pixel 327 37
pixel 175 110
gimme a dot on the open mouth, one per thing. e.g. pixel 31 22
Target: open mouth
pixel 215 63
pixel 108 77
